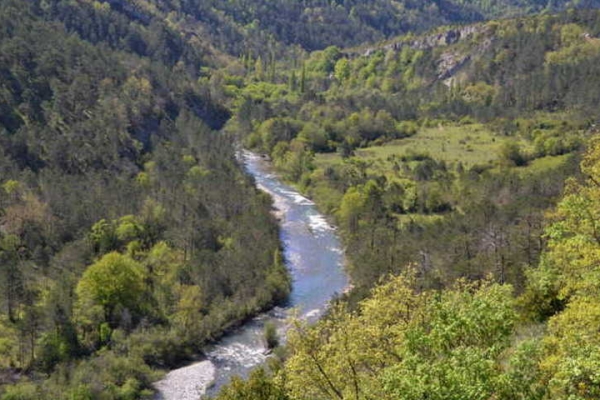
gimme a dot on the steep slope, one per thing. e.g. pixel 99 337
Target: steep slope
pixel 127 226
pixel 263 27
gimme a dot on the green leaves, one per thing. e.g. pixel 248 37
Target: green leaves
pixel 453 351
pixel 258 386
pixel 407 345
pixel 113 281
pixel 342 70
pixel 570 275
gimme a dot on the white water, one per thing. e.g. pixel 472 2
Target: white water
pixel 314 257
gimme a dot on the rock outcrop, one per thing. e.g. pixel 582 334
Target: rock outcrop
pixel 450 61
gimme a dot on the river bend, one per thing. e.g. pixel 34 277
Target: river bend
pixel 314 257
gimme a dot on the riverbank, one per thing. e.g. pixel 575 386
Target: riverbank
pixel 315 260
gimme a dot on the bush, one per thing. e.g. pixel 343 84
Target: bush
pixel 512 153
pixel 22 391
pixel 270 333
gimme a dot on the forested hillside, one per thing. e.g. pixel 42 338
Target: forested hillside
pixel 126 224
pixel 267 27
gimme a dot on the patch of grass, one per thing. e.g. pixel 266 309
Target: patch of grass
pixel 323 160
pixel 546 163
pixel 416 218
pixel 473 144
pixel 469 144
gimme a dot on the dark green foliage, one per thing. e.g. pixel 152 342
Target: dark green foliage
pixel 128 227
pixel 511 153
pixel 270 334
pixel 254 27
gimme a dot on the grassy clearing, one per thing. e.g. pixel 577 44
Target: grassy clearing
pixel 323 160
pixel 419 219
pixel 546 163
pixel 469 144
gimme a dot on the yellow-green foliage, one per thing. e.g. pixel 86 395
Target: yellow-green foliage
pixel 575 46
pixel 462 342
pixel 114 281
pixel 571 270
pixel 9 344
pixel 402 344
pixel 188 312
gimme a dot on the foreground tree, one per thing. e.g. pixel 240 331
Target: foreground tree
pixel 569 277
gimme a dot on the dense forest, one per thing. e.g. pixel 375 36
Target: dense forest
pixel 264 27
pixel 459 162
pixel 127 224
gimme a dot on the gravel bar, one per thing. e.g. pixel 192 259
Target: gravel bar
pixel 188 383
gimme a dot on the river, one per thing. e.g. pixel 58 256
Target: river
pixel 315 259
